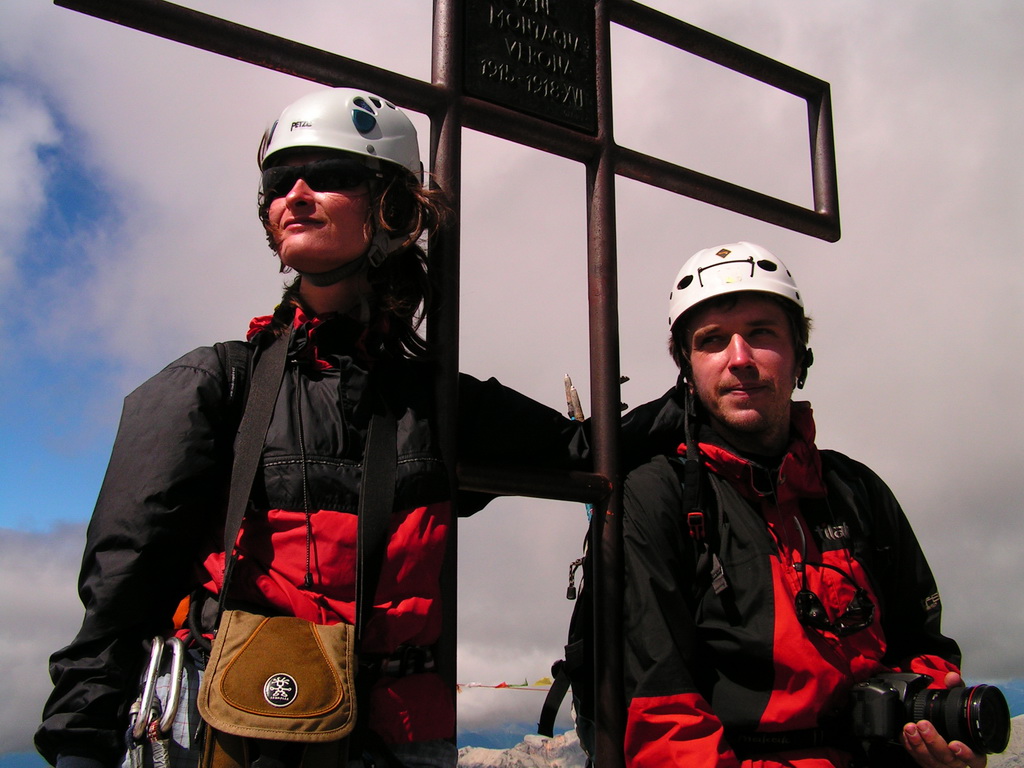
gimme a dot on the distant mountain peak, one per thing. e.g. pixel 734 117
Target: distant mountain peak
pixel 562 751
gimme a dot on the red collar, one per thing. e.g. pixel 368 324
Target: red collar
pixel 306 330
pixel 799 473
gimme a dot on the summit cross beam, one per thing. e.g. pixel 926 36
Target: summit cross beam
pixel 538 73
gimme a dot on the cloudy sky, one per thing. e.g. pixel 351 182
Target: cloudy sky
pixel 129 179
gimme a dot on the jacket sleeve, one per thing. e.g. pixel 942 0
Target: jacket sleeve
pixel 913 623
pixel 911 607
pixel 498 425
pixel 501 426
pixel 652 429
pixel 668 721
pixel 165 480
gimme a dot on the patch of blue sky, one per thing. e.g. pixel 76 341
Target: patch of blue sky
pixel 58 415
pixel 22 760
pixel 78 205
pixel 1013 690
pixel 57 438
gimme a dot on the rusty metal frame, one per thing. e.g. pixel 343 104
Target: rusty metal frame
pixel 449 111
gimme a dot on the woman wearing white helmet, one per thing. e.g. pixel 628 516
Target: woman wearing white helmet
pixel 343 206
pixel 351 228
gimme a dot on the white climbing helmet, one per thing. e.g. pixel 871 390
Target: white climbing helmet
pixel 347 120
pixel 728 269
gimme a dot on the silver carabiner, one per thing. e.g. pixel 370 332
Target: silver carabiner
pixel 156 653
pixel 177 664
pixel 143 711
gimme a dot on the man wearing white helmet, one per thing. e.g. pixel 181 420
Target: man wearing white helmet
pixel 344 207
pixel 764 578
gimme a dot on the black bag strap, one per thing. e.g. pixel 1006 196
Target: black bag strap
pixel 376 504
pixel 252 432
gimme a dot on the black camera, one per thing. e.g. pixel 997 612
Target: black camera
pixel 977 716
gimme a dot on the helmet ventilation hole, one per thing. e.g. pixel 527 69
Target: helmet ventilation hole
pixel 363 121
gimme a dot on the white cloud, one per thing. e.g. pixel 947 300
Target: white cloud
pixel 28 129
pixel 38 574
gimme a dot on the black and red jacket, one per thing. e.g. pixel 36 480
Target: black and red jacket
pixel 707 666
pixel 157 530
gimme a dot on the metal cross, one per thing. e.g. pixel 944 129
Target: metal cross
pixel 538 73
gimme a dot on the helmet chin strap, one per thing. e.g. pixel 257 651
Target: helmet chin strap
pixel 336 275
pixel 381 246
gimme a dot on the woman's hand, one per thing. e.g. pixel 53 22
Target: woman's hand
pixel 930 750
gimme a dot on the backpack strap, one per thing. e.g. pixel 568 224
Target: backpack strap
pixel 236 358
pixel 703 521
pixel 252 432
pixel 553 700
pixel 376 505
pixel 579 652
pixel 574 670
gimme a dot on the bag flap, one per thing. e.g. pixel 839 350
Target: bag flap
pixel 281 678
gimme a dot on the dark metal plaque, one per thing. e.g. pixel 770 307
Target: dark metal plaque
pixel 534 56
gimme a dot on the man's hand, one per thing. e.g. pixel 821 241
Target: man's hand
pixel 930 750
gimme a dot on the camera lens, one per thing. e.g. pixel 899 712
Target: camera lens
pixel 977 716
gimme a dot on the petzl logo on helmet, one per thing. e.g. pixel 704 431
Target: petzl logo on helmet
pixel 301 124
pixel 280 690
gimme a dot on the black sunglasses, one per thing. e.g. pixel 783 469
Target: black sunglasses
pixel 858 614
pixel 332 175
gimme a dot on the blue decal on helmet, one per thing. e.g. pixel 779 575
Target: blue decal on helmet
pixel 362 116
